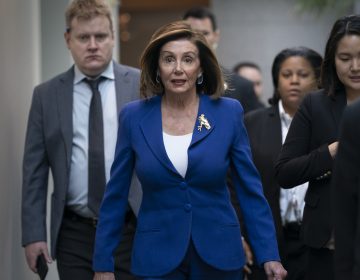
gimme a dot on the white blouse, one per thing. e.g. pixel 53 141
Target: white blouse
pixel 176 147
pixel 292 201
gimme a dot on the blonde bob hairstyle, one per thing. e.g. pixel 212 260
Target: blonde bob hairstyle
pixel 213 82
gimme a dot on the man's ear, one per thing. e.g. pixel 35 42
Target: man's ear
pixel 67 38
pixel 216 38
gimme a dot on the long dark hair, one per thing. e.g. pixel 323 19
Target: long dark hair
pixel 310 55
pixel 347 25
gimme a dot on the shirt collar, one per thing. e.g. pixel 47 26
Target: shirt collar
pixel 108 73
pixel 285 117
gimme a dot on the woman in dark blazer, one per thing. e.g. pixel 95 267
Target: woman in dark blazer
pixel 181 141
pixel 295 72
pixel 311 144
pixel 346 197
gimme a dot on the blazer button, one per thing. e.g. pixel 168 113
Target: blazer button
pixel 187 207
pixel 183 185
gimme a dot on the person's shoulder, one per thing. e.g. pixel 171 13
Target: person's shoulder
pixel 126 69
pixel 314 98
pixel 353 111
pixel 227 101
pixel 228 104
pixel 316 95
pixel 51 84
pixel 259 113
pixel 219 103
pixel 141 105
pixel 263 111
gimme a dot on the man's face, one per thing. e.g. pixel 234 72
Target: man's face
pixel 91 44
pixel 205 27
pixel 253 75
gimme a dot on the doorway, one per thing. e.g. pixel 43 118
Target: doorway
pixel 138 20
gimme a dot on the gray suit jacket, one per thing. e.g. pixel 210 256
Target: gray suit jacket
pixel 48 146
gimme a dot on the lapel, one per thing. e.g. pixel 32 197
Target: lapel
pixel 151 127
pixel 64 94
pixel 204 109
pixel 337 105
pixel 274 130
pixel 122 85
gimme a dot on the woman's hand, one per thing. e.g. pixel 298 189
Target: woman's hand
pixel 274 270
pixel 104 276
pixel 333 148
pixel 248 255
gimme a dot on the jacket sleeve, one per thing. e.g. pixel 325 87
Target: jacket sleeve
pixel 345 195
pixel 35 176
pixel 255 210
pixel 298 162
pixel 115 201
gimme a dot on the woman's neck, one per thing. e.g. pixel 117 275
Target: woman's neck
pixel 179 114
pixel 352 95
pixel 289 109
pixel 180 102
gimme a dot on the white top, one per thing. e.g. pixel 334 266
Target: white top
pixel 176 148
pixel 291 200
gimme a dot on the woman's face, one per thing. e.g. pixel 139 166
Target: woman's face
pixel 296 79
pixel 179 67
pixel 347 62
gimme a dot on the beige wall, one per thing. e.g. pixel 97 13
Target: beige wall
pixel 20 71
pixel 258 30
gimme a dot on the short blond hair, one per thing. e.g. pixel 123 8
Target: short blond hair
pixel 86 10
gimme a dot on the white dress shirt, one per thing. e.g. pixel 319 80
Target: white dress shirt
pixel 78 183
pixel 291 200
pixel 176 148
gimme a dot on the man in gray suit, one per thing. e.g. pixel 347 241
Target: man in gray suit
pixel 72 130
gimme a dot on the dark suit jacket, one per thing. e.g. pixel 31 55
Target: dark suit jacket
pixel 346 197
pixel 305 157
pixel 242 90
pixel 264 130
pixel 48 147
pixel 176 210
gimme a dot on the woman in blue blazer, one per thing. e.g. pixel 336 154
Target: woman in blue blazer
pixel 181 140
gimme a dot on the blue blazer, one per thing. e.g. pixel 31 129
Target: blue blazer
pixel 174 209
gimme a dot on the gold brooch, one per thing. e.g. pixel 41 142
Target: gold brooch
pixel 203 122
